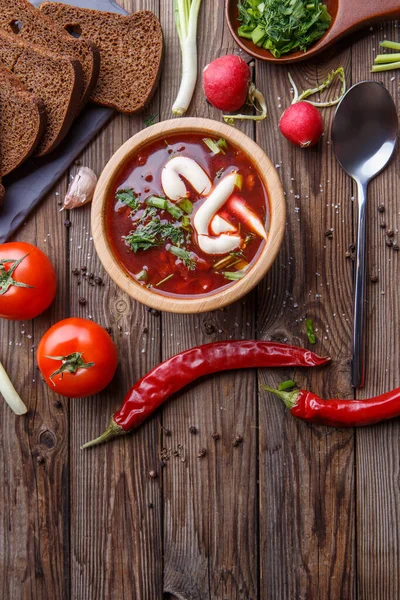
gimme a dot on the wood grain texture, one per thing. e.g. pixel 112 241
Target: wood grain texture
pixel 294 511
pixel 378 459
pixel 210 503
pixel 34 539
pixel 307 470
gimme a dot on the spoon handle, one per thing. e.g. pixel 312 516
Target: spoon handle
pixel 358 357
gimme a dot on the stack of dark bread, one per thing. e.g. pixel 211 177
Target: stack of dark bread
pixel 56 58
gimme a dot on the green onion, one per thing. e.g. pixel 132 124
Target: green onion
pixel 238 181
pixel 387 67
pixel 186 17
pixel 233 275
pixel 157 202
pixel 310 331
pixel 213 146
pixel 228 261
pixel 142 276
pixel 223 144
pixel 391 45
pixel 387 58
pixel 185 223
pixel 286 385
pixel 164 280
pixel 186 206
pixel 164 204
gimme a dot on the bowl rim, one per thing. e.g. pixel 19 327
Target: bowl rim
pixel 218 299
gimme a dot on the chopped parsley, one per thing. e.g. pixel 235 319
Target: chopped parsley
pixel 128 198
pixel 283 26
pixel 186 257
pixel 153 234
pixel 150 120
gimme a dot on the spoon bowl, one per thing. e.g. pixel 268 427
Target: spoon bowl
pixel 347 16
pixel 364 135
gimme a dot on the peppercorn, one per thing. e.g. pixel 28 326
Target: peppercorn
pixel 329 234
pixel 347 255
pixel 238 440
pixel 395 247
pixel 82 301
pixel 83 269
pixel 383 225
pixel 98 280
pixel 202 452
pixel 374 278
pixel 153 474
pixel 108 329
pixel 389 242
pixel 39 459
pixel 390 233
pixel 192 429
pixel 91 275
pixel 67 223
pixel 150 505
pixel 154 312
pixel 381 208
pixel 75 272
pixel 162 464
pixel 167 432
pixel 215 436
pixel 57 404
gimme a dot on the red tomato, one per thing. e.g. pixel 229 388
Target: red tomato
pixel 77 358
pixel 27 281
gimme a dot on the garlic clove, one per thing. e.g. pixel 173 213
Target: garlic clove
pixel 81 189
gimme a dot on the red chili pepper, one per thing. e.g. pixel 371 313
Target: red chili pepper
pixel 340 413
pixel 180 370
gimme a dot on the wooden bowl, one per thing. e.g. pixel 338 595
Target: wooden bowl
pixel 347 16
pixel 219 298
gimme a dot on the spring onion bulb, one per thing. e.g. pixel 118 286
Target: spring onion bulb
pixel 186 18
pixel 10 395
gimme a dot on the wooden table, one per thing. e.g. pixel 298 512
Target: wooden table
pixel 295 511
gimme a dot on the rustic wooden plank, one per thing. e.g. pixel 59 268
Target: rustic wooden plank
pixel 34 529
pixel 116 511
pixel 306 473
pixel 210 503
pixel 378 492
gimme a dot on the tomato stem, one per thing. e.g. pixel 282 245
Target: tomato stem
pixel 70 364
pixel 6 276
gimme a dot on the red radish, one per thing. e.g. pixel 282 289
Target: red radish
pixel 238 207
pixel 226 82
pixel 227 86
pixel 302 124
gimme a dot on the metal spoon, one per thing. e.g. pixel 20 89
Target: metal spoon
pixel 364 134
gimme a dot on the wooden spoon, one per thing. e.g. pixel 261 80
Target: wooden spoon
pixel 347 16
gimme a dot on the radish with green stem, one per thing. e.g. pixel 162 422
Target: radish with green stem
pixel 302 123
pixel 186 18
pixel 227 85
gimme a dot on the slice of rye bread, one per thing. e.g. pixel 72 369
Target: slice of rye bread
pixel 22 19
pixel 55 79
pixel 22 121
pixel 131 49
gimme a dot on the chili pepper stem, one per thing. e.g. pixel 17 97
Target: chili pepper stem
pixel 288 398
pixel 112 431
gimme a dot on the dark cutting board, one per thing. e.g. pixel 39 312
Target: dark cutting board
pixel 26 186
